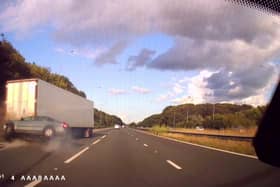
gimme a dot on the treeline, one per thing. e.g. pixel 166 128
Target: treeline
pixel 102 119
pixel 218 116
pixel 14 66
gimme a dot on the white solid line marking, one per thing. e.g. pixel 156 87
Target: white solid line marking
pixel 95 142
pixel 103 136
pixel 202 146
pixel 173 164
pixel 34 183
pixel 76 155
pixel 145 145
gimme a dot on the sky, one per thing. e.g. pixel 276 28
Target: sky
pixel 134 58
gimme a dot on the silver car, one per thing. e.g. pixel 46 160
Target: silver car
pixel 39 125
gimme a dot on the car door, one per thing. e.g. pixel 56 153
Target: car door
pixel 25 125
pixel 38 124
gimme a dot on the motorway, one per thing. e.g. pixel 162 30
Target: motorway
pixel 127 157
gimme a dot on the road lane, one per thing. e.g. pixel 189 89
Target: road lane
pixel 39 158
pixel 214 167
pixel 118 161
pixel 121 160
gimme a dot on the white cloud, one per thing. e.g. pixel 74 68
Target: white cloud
pixel 106 21
pixel 115 91
pixel 125 118
pixel 234 55
pixel 197 91
pixel 140 90
pixel 174 88
pixel 263 95
pixel 188 90
pixel 165 97
pixel 178 88
pixel 78 23
pixel 212 35
pixel 235 90
pixel 231 83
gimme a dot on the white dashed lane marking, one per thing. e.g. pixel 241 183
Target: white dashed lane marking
pixel 34 183
pixel 173 164
pixel 76 156
pixel 95 142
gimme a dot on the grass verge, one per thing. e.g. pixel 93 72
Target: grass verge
pixel 157 129
pixel 231 132
pixel 230 145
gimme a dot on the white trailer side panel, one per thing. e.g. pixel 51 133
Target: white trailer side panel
pixel 64 105
pixel 20 99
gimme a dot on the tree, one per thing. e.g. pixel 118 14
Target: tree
pixel 190 116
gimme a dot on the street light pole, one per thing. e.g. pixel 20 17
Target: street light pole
pixel 213 111
pixel 191 99
pixel 174 118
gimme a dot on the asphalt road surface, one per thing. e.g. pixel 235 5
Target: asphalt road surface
pixel 127 157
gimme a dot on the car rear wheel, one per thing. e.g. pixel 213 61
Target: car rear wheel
pixel 49 132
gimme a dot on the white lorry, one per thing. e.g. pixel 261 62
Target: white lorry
pixel 35 98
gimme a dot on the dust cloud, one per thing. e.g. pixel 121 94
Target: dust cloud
pixel 58 144
pixel 52 145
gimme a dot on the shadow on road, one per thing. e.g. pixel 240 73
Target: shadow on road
pixel 250 180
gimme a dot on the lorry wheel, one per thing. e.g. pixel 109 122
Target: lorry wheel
pixel 49 132
pixel 88 133
pixel 9 132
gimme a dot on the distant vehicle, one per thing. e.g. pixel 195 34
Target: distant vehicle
pixel 199 128
pixel 39 125
pixel 35 98
pixel 123 126
pixel 117 126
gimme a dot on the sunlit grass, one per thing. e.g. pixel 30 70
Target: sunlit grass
pixel 232 132
pixel 157 129
pixel 230 145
